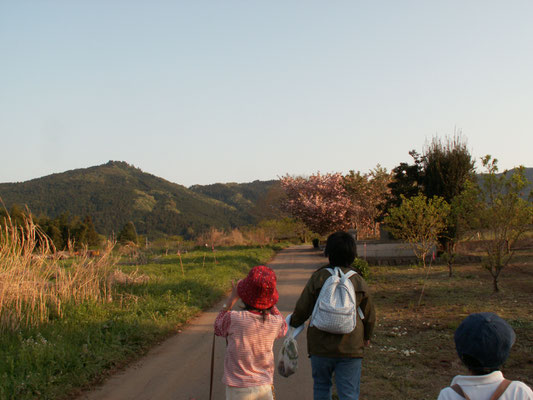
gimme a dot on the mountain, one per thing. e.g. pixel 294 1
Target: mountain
pixel 528 173
pixel 116 192
pixel 242 196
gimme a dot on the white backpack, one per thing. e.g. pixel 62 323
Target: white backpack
pixel 336 309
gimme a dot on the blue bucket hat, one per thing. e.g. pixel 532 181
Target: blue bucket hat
pixel 486 338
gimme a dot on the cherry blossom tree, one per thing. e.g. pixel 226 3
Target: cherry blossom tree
pixel 368 194
pixel 320 201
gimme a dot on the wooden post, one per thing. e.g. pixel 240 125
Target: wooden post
pixel 214 256
pixel 181 263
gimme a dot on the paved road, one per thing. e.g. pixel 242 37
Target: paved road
pixel 179 368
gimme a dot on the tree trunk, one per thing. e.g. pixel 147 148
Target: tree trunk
pixel 450 249
pixel 495 284
pixel 425 280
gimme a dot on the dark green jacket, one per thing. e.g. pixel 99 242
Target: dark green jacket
pixel 320 343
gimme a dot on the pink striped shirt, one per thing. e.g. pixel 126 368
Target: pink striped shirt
pixel 249 359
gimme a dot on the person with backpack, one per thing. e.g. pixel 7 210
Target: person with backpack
pixel 483 342
pixel 250 335
pixel 342 314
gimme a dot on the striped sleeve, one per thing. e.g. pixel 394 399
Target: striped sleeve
pixel 222 323
pixel 283 328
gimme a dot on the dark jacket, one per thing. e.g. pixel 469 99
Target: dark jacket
pixel 320 343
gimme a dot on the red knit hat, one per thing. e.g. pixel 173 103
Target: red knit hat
pixel 258 289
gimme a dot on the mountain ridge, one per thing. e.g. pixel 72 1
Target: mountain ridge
pixel 117 192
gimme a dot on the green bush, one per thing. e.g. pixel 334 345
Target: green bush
pixel 362 268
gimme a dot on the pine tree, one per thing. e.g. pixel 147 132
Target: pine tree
pixel 128 234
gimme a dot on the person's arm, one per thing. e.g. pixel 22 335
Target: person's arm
pixel 305 304
pixel 223 320
pixel 283 328
pixel 233 297
pixel 367 306
pixel 222 323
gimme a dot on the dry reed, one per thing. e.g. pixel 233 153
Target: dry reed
pixel 234 237
pixel 35 284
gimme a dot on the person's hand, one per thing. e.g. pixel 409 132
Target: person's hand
pixel 234 293
pixel 233 297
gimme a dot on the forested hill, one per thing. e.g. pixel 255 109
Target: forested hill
pixel 529 174
pixel 243 196
pixel 116 192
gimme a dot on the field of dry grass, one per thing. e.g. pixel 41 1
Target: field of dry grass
pixel 413 353
pixel 35 284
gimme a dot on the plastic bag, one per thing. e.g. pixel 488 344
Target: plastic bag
pixel 288 354
pixel 288 357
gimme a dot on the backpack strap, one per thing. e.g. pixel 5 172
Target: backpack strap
pixel 495 396
pixel 459 390
pixel 338 271
pixel 348 275
pixel 500 389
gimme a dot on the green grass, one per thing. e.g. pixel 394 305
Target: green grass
pixel 95 339
pixel 57 359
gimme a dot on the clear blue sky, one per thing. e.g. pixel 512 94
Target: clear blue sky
pixel 199 92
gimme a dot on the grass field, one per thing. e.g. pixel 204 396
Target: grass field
pixel 148 303
pixel 413 354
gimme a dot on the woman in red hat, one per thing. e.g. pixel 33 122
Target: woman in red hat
pixel 250 334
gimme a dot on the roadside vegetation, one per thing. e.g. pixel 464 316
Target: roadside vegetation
pixel 66 322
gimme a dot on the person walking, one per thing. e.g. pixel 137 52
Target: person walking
pixel 336 353
pixel 250 334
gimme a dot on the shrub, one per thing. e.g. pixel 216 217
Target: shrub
pixel 362 268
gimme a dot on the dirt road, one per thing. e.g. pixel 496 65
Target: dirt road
pixel 179 368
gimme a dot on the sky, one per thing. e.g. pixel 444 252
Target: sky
pixel 199 92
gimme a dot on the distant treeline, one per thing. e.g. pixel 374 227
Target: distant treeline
pixel 63 231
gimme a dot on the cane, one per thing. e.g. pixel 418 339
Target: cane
pixel 212 369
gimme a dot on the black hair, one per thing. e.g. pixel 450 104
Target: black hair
pixel 264 312
pixel 341 249
pixel 475 367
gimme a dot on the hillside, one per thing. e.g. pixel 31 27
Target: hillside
pixel 528 173
pixel 242 196
pixel 116 192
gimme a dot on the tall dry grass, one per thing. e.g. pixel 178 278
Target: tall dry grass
pixel 234 237
pixel 35 283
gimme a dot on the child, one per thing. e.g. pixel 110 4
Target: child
pixel 250 335
pixel 330 352
pixel 483 342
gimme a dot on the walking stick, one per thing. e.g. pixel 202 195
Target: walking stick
pixel 212 368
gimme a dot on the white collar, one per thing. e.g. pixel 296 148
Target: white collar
pixel 472 380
